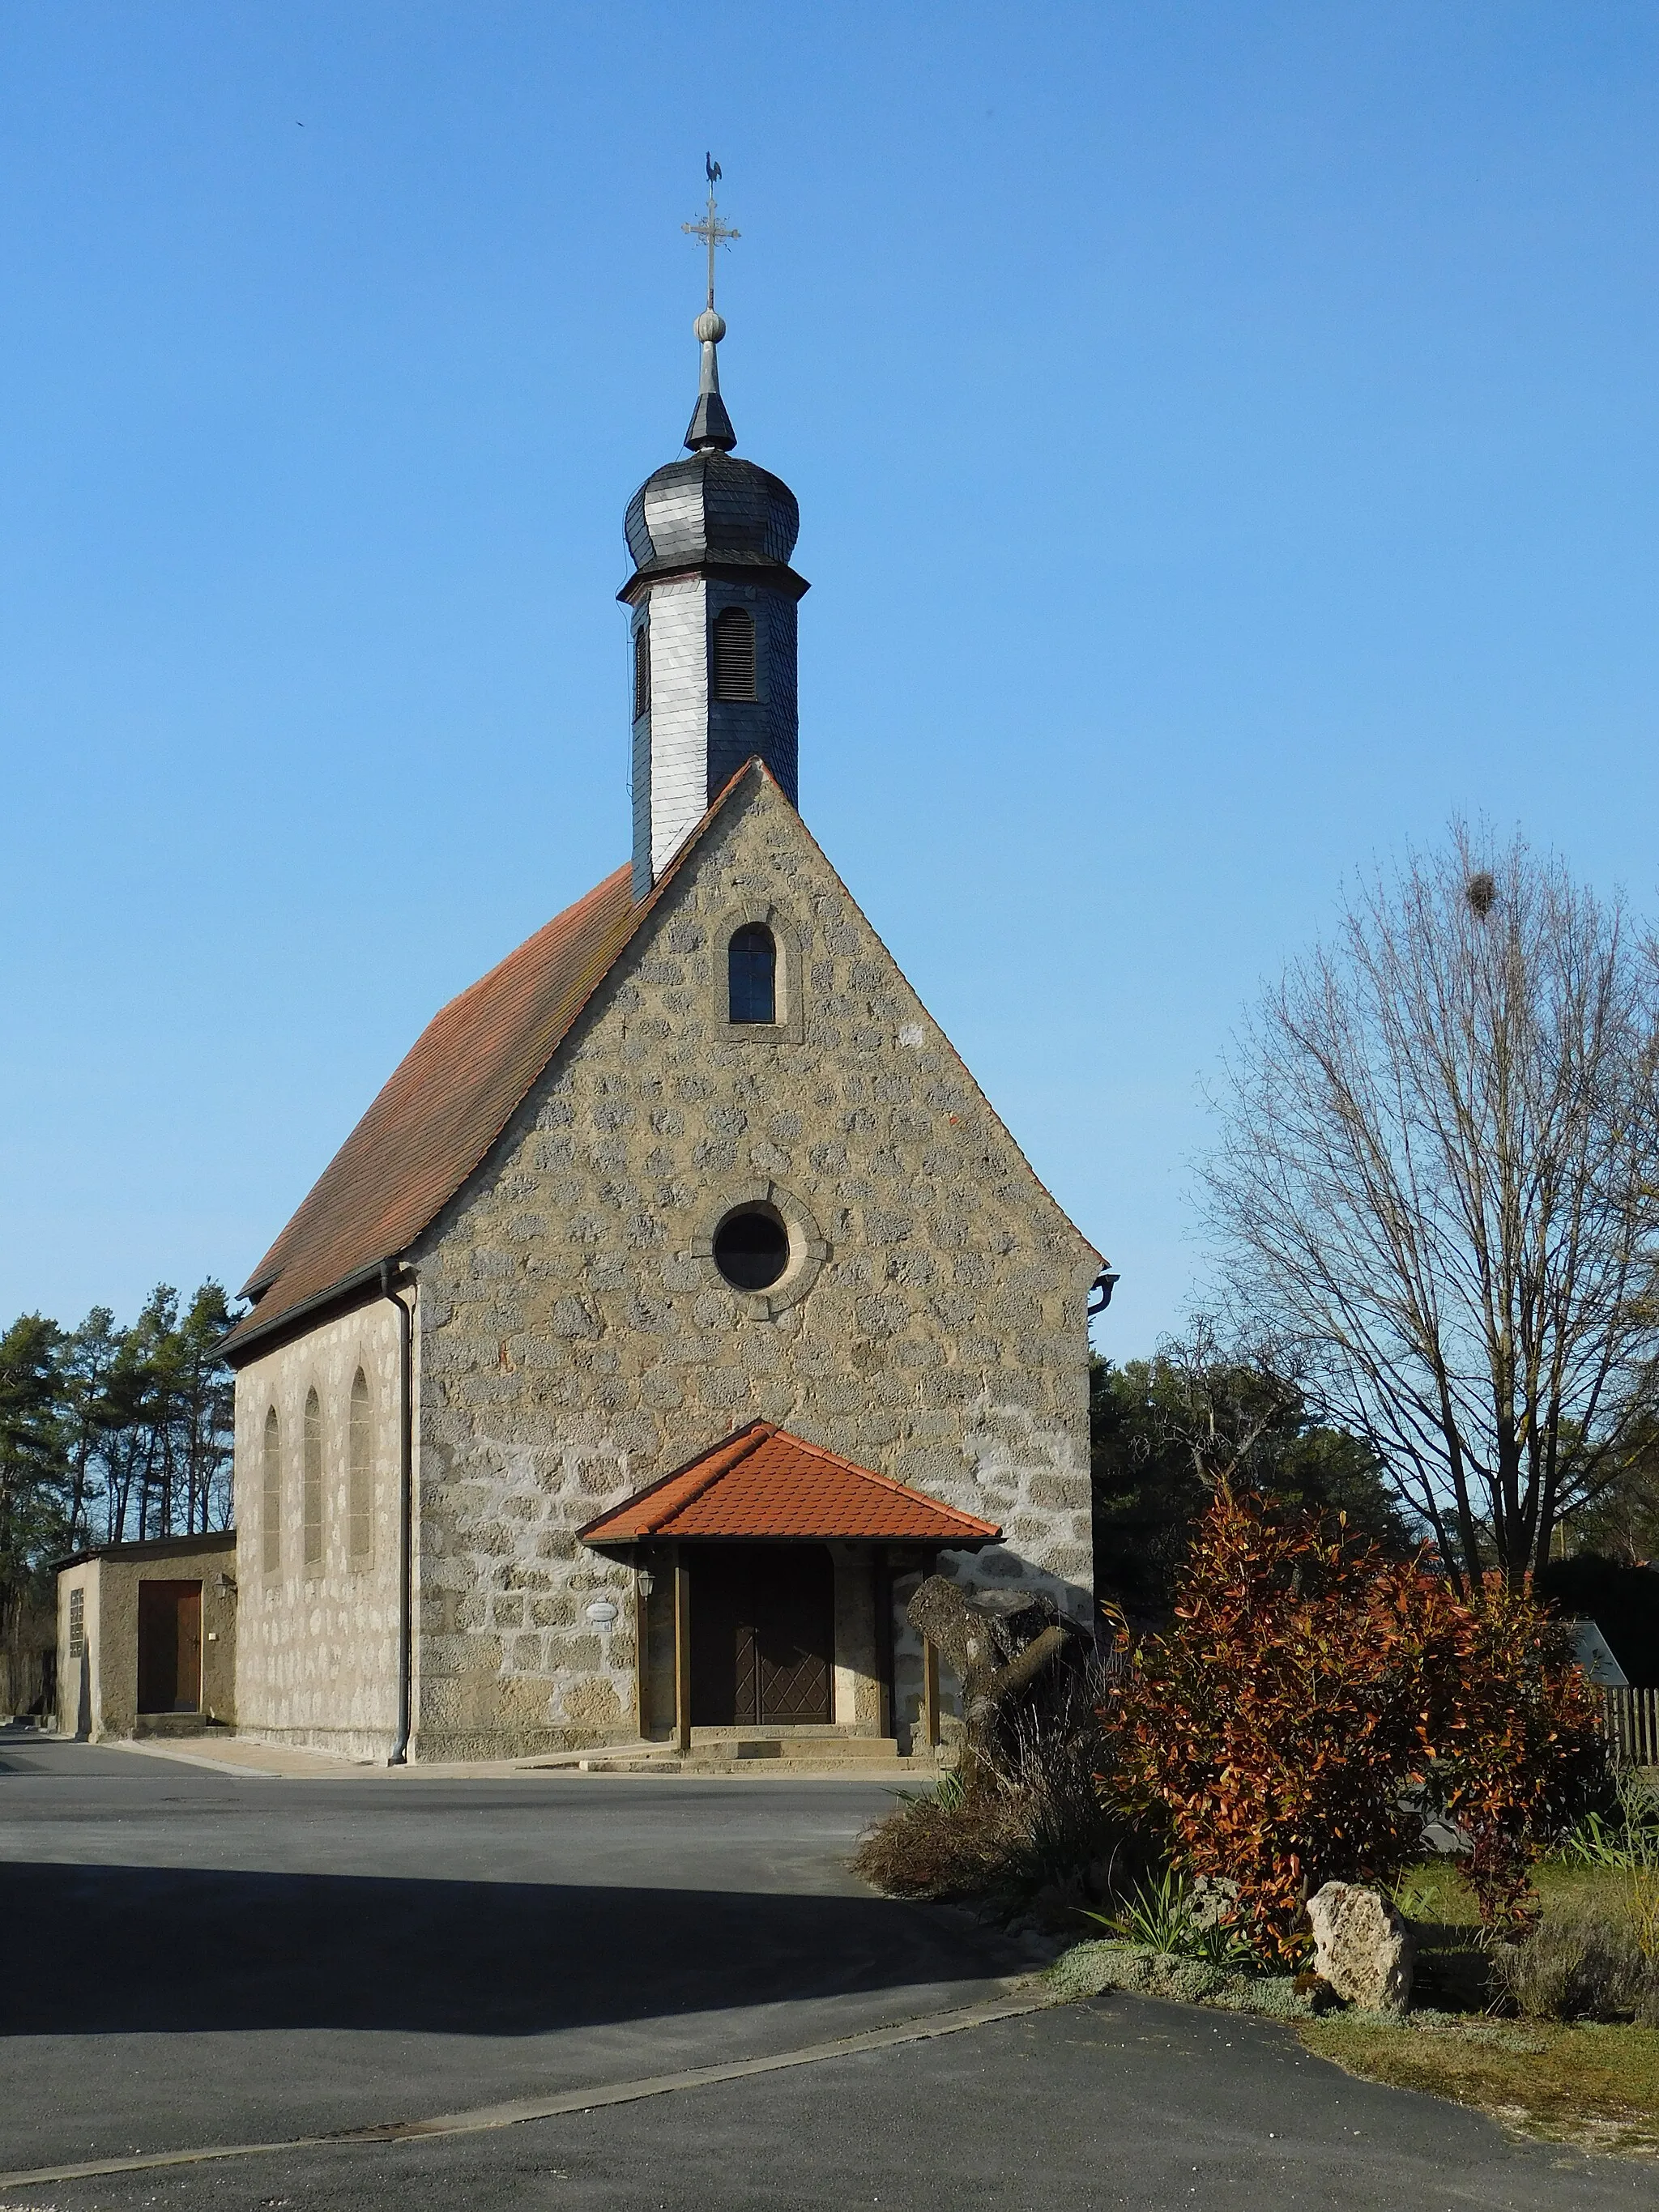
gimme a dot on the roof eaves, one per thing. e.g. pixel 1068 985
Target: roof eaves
pixel 252 1325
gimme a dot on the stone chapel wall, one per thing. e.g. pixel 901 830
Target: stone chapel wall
pixel 577 1343
pixel 317 1647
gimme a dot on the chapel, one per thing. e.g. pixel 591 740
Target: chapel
pixel 680 1300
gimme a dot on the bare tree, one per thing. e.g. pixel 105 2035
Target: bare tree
pixel 1228 1399
pixel 1434 1182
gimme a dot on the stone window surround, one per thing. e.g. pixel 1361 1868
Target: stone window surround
pixel 787 974
pixel 360 1562
pixel 330 1429
pixel 807 1248
pixel 313 1486
pixel 272 1492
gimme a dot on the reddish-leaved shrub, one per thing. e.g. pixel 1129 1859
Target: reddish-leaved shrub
pixel 1315 1703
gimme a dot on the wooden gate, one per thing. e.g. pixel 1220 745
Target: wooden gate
pixel 1631 1720
pixel 763 1635
pixel 169 1647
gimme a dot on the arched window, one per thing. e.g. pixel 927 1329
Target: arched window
pixel 641 671
pixel 360 1502
pixel 311 1486
pixel 271 1495
pixel 734 654
pixel 752 964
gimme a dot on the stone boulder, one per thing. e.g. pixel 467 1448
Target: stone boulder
pixel 1362 1946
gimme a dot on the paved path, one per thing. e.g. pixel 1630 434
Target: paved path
pixel 193 1959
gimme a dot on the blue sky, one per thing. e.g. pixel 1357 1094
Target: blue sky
pixel 1225 442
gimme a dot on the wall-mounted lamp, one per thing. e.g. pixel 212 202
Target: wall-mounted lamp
pixel 645 1581
pixel 1100 1292
pixel 226 1585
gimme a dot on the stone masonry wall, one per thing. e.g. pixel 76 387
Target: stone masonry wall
pixel 317 1647
pixel 576 1341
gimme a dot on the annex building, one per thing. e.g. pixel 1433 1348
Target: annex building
pixel 680 1299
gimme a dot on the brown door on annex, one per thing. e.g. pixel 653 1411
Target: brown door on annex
pixel 763 1635
pixel 169 1647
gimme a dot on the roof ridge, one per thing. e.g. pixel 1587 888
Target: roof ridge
pixel 718 1463
pixel 676 1494
pixel 869 1474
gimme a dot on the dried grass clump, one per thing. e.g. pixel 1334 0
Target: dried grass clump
pixel 1030 1835
pixel 942 1846
pixel 1584 1961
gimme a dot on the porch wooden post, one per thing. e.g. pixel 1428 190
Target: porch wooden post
pixel 930 1694
pixel 641 1646
pixel 682 1651
pixel 882 1592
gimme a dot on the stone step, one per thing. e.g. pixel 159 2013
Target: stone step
pixel 829 1750
pixel 823 1769
pixel 867 1758
pixel 776 1731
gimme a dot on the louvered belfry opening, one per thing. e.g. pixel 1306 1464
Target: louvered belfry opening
pixel 641 671
pixel 734 654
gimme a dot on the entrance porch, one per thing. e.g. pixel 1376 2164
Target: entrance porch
pixel 765 1578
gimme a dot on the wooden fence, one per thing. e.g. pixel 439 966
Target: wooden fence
pixel 1631 1720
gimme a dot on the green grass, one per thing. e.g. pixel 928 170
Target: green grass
pixel 1597 2087
pixel 1593 2085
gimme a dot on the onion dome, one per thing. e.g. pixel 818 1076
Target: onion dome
pixel 712 512
pixel 712 625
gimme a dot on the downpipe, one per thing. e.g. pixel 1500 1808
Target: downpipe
pixel 405 1515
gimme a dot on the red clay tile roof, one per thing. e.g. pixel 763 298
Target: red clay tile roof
pixel 451 1097
pixel 444 1107
pixel 765 1482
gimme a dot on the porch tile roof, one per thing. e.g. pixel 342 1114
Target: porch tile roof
pixel 764 1482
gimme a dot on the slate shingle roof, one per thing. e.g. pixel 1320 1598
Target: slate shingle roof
pixel 764 1482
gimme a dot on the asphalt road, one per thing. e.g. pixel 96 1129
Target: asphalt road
pixel 191 1961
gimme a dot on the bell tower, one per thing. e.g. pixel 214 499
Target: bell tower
pixel 712 614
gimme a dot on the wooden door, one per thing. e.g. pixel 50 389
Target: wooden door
pixel 187 1685
pixel 169 1647
pixel 763 1635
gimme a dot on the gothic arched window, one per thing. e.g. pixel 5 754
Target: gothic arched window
pixel 734 654
pixel 360 1472
pixel 641 671
pixel 271 1495
pixel 311 1483
pixel 751 964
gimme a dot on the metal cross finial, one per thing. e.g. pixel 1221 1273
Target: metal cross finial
pixel 711 229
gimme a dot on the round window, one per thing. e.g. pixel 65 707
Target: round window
pixel 751 1248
